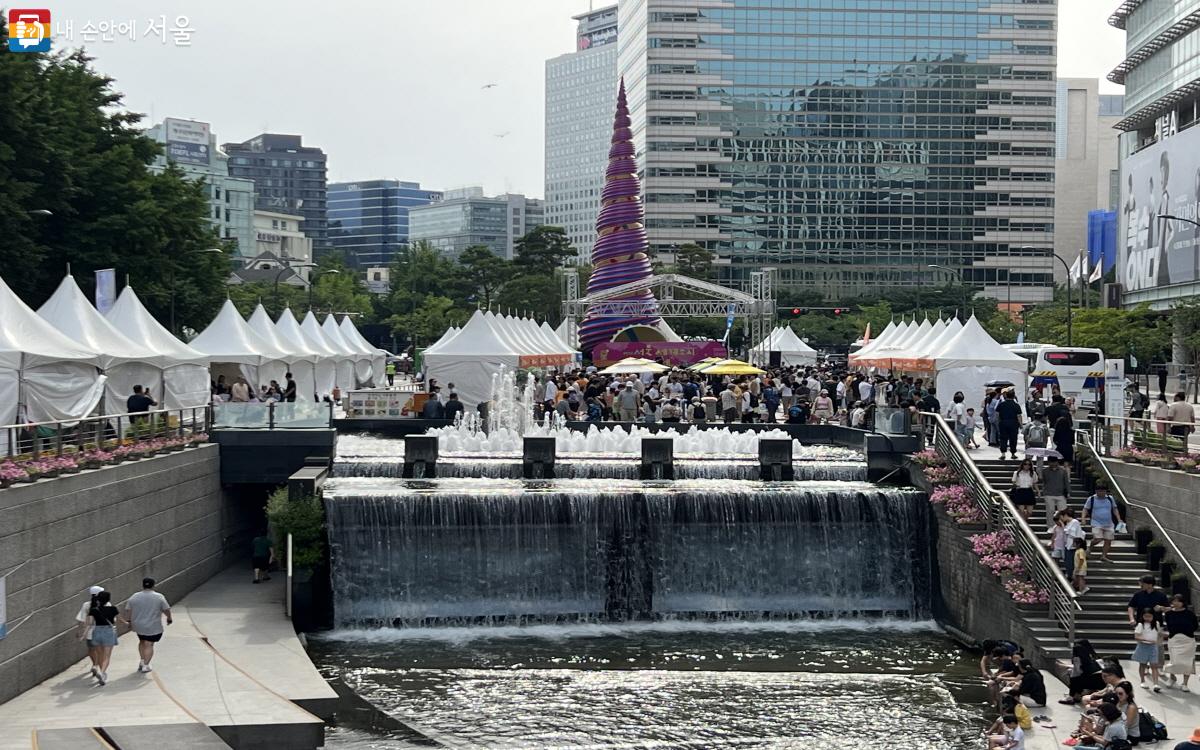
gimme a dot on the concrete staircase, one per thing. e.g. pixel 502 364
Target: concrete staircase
pixel 1103 620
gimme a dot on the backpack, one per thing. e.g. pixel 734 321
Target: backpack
pixel 1150 728
pixel 699 412
pixel 1037 434
pixel 793 412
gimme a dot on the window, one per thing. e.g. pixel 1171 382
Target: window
pixel 1072 358
pixel 216 192
pixel 274 223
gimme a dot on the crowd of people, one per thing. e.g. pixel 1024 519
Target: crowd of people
pixel 242 392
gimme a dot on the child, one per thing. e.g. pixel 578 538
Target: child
pixel 1012 739
pixel 1058 540
pixel 1081 566
pixel 968 426
pixel 1148 638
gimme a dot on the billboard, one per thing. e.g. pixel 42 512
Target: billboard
pixel 187 141
pixel 1161 179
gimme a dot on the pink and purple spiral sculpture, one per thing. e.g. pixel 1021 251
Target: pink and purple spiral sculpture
pixel 619 255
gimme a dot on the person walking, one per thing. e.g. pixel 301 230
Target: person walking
pixel 102 618
pixel 1080 566
pixel 1181 641
pixel 1008 416
pixel 1162 411
pixel 627 403
pixel 955 414
pixel 1056 488
pixel 1024 488
pixel 145 611
pixel 1064 438
pixel 1182 417
pixel 84 631
pixel 1102 509
pixel 453 407
pixel 262 554
pixel 1148 638
pixel 1073 531
pixel 822 408
pixel 1058 540
pixel 289 388
pixel 390 371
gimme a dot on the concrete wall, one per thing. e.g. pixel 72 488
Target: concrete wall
pixel 1174 499
pixel 164 517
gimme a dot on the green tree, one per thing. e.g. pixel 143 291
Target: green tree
pixel 542 250
pixel 485 273
pixel 694 261
pixel 538 296
pixel 429 321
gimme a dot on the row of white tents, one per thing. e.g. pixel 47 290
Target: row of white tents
pixel 471 355
pixel 793 352
pixel 67 360
pixel 959 356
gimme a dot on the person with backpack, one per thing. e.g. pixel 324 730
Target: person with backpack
pixel 1138 403
pixel 1102 509
pixel 1129 712
pixel 1037 434
pixel 1108 732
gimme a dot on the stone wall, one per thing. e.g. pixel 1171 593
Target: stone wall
pixel 165 517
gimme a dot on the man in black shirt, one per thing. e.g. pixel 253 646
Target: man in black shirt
pixel 1056 410
pixel 1008 415
pixel 453 407
pixel 139 402
pixel 1146 597
pixel 289 390
pixel 433 408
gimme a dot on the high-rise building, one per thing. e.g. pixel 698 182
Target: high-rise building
pixel 849 144
pixel 581 88
pixel 191 146
pixel 288 177
pixel 465 217
pixel 1158 239
pixel 368 220
pixel 1086 162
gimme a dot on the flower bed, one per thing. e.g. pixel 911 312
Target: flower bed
pixel 26 468
pixel 997 553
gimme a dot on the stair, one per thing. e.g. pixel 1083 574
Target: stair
pixel 1103 619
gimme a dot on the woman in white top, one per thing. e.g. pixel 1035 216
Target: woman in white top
pixel 1162 411
pixel 822 408
pixel 1024 486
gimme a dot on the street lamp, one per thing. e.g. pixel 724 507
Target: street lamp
pixel 957 273
pixel 205 251
pixel 312 282
pixel 1066 268
pixel 284 266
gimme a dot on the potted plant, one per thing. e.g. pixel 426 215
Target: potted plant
pixel 1156 552
pixel 1142 538
pixel 11 472
pixel 1179 585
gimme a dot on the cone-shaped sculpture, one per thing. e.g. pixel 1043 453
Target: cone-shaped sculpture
pixel 619 255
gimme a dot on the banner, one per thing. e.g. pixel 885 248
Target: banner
pixel 106 289
pixel 1114 394
pixel 3 607
pixel 673 353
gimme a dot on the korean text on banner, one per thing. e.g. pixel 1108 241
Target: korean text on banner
pixel 1114 394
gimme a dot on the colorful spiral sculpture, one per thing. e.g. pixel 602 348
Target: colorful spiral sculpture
pixel 619 255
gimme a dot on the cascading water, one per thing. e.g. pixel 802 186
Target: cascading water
pixel 447 551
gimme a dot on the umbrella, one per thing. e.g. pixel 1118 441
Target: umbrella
pixel 731 367
pixel 1042 453
pixel 633 365
pixel 998 384
pixel 705 363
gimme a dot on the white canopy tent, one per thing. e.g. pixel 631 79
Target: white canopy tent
pixel 890 334
pixel 302 361
pixel 553 336
pixel 358 363
pixel 972 358
pixel 448 336
pixel 378 356
pixel 792 350
pixel 569 334
pixel 44 375
pixel 124 362
pixel 185 375
pixel 236 350
pixel 324 366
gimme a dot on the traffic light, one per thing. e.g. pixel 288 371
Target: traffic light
pixel 795 312
pixel 839 311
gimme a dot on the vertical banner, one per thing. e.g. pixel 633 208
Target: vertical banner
pixel 106 289
pixel 3 607
pixel 1114 397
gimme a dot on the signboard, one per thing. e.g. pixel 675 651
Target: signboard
pixel 1161 179
pixel 674 353
pixel 106 289
pixel 1114 394
pixel 382 404
pixel 187 141
pixel 597 38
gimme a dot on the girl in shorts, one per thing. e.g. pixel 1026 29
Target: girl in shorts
pixel 1024 488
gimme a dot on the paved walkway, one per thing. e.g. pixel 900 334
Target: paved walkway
pixel 230 661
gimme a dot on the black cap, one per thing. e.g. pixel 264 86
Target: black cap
pixel 147 583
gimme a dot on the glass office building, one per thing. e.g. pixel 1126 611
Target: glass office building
pixel 465 218
pixel 368 220
pixel 852 143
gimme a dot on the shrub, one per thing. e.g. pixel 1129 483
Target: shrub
pixel 303 519
pixel 928 457
pixel 992 543
pixel 1026 592
pixel 942 475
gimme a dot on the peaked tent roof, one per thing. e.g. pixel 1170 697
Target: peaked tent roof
pixel 73 315
pixel 352 336
pixel 260 322
pixel 449 335
pixel 974 347
pixel 553 336
pixel 317 339
pixel 288 329
pixel 229 338
pixel 336 340
pixel 478 336
pixel 27 340
pixel 132 318
pixel 888 331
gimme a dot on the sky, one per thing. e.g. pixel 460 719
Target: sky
pixel 393 89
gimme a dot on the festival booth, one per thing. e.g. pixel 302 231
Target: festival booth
pixel 792 351
pixel 972 358
pixel 881 356
pixel 44 375
pixel 568 334
pixel 351 364
pixel 559 341
pixel 324 367
pixel 343 366
pixel 235 350
pixel 378 357
pixel 301 360
pixel 185 381
pixel 918 358
pixel 888 334
pixel 327 367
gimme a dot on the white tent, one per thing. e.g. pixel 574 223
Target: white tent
pixel 185 373
pixel 343 365
pixel 448 336
pixel 236 350
pixel 302 361
pixel 378 356
pixel 359 363
pixel 902 357
pixel 792 350
pixel 919 355
pixel 972 358
pixel 125 363
pixel 553 336
pixel 890 334
pixel 569 334
pixel 327 358
pixel 48 374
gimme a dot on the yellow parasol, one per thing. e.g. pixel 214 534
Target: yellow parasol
pixel 731 367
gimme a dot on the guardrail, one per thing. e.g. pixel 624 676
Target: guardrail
pixel 1001 514
pixel 1083 439
pixel 272 415
pixel 58 437
pixel 1109 433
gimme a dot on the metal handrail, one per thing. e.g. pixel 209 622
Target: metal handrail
pixel 1000 512
pixel 81 431
pixel 1082 437
pixel 1135 426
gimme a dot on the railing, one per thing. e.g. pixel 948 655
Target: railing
pixel 1001 514
pixel 272 415
pixel 1083 440
pixel 35 440
pixel 1110 433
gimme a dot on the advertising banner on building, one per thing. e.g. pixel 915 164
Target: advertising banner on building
pixel 1161 179
pixel 187 141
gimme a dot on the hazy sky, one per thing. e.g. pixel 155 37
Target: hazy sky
pixel 392 88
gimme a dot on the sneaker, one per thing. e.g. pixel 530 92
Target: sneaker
pixel 1157 689
pixel 1085 590
pixel 1185 688
pixel 95 671
pixel 146 668
pixel 256 581
pixel 1145 686
pixel 1067 701
pixel 102 678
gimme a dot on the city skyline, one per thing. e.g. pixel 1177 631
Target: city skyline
pixel 453 146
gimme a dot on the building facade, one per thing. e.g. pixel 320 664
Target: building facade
pixel 1158 239
pixel 280 235
pixel 368 220
pixel 1087 167
pixel 465 218
pixel 850 145
pixel 288 177
pixel 581 90
pixel 191 146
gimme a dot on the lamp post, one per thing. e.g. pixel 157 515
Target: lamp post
pixel 1069 292
pixel 958 274
pixel 205 251
pixel 285 266
pixel 312 282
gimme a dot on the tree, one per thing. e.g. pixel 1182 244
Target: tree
pixel 429 321
pixel 694 261
pixel 485 272
pixel 538 296
pixel 542 250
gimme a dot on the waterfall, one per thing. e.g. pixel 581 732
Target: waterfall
pixel 461 551
pixel 580 468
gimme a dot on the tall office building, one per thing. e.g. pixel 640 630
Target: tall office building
pixel 288 176
pixel 465 217
pixel 849 144
pixel 1087 170
pixel 191 146
pixel 1158 239
pixel 368 220
pixel 581 90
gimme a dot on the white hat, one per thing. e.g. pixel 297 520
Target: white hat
pixel 95 590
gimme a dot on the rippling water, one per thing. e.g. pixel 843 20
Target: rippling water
pixel 798 684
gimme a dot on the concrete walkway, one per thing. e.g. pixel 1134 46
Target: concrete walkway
pixel 230 661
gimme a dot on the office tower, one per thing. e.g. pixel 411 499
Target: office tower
pixel 289 177
pixel 465 218
pixel 368 219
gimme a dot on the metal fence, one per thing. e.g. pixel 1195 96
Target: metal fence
pixel 1108 434
pixel 36 440
pixel 1001 515
pixel 272 415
